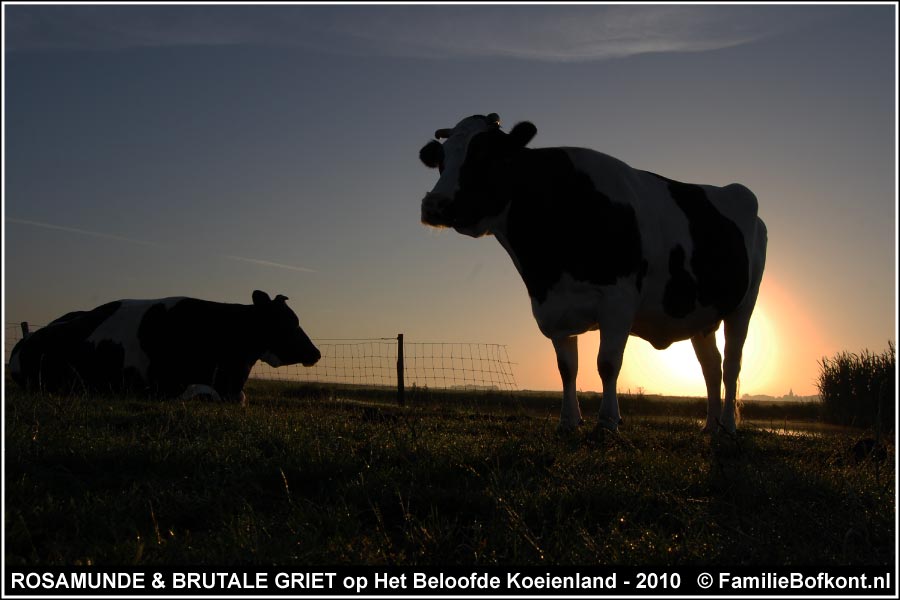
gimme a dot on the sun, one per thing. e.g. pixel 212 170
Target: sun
pixel 761 358
pixel 675 371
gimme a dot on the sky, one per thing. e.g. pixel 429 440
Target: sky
pixel 207 151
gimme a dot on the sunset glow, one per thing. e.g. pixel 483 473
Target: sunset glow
pixel 780 356
pixel 675 370
pixel 287 162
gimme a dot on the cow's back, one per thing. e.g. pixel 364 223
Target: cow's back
pixel 197 342
pixel 688 249
pixel 60 357
pixel 123 331
pixel 561 222
pixel 701 244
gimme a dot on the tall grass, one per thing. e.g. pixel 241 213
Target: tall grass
pixel 304 478
pixel 858 389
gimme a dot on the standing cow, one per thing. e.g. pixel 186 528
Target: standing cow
pixel 601 245
pixel 162 347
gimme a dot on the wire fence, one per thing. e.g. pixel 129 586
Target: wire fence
pixel 374 362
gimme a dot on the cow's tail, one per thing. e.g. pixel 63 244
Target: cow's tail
pixel 757 266
pixel 761 243
pixel 15 364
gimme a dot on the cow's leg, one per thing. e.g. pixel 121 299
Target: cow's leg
pixel 609 363
pixel 735 335
pixel 567 361
pixel 711 362
pixel 229 380
pixel 736 326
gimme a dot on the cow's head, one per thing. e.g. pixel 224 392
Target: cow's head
pixel 471 163
pixel 285 342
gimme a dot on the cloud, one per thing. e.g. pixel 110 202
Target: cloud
pixel 559 33
pixel 533 32
pixel 268 263
pixel 96 234
pixel 119 238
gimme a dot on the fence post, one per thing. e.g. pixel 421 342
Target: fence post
pixel 24 325
pixel 400 399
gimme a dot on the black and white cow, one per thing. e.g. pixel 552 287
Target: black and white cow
pixel 601 245
pixel 162 347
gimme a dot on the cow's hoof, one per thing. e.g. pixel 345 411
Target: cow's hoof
pixel 717 426
pixel 611 424
pixel 608 425
pixel 197 390
pixel 569 426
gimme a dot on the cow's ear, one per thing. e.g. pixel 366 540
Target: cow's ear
pixel 260 298
pixel 522 133
pixel 432 154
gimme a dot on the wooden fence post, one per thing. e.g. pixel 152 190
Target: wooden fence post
pixel 400 399
pixel 24 326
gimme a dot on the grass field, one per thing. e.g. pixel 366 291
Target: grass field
pixel 304 477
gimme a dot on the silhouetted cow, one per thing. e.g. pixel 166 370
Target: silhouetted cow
pixel 162 347
pixel 601 245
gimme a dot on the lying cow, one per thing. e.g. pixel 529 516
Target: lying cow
pixel 601 245
pixel 162 347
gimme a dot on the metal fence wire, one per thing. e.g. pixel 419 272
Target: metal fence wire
pixel 373 362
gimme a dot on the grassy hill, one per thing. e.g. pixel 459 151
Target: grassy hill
pixel 318 475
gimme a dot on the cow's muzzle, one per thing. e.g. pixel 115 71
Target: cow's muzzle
pixel 434 209
pixel 313 359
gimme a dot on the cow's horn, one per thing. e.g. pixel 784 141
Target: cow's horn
pixel 441 134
